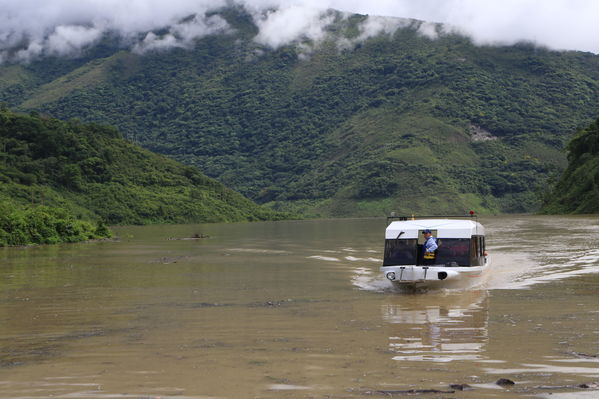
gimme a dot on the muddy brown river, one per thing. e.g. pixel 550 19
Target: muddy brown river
pixel 298 309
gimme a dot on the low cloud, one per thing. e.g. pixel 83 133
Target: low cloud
pixel 288 24
pixel 376 25
pixel 30 28
pixel 183 34
pixel 556 24
pixel 64 40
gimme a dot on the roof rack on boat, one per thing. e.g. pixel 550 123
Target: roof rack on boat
pixel 393 217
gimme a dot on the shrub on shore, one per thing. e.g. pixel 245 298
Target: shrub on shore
pixel 44 225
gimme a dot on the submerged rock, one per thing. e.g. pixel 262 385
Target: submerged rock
pixel 593 385
pixel 461 387
pixel 504 382
pixel 196 236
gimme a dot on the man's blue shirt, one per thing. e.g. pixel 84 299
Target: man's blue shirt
pixel 430 245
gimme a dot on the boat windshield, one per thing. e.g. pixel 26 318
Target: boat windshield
pixel 406 252
pixel 400 252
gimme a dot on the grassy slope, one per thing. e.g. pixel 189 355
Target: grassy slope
pixel 358 132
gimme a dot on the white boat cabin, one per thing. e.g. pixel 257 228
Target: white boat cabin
pixel 461 242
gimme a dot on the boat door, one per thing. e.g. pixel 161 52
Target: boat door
pixel 421 260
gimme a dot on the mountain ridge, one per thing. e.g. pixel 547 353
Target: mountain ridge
pixel 354 132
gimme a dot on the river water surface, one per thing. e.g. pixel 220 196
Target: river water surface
pixel 297 309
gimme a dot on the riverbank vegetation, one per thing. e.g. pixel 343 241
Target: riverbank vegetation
pixel 577 191
pixel 56 176
pixel 45 225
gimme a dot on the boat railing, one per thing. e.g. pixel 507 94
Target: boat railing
pixel 394 217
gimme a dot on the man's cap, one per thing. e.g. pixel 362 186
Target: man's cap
pixel 427 231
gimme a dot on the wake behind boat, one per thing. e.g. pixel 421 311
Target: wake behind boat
pixel 458 261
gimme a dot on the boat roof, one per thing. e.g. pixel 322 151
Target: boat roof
pixel 445 228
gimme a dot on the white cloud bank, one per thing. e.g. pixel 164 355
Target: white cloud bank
pixel 64 27
pixel 182 34
pixel 557 24
pixel 284 25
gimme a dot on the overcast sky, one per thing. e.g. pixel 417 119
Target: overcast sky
pixel 51 27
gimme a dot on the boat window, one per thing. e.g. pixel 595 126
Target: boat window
pixel 477 250
pixel 454 250
pixel 400 252
pixel 405 252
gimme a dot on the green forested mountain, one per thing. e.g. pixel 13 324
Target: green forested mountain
pixel 577 191
pixel 395 122
pixel 90 172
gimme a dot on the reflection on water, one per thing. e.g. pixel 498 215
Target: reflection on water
pixel 296 310
pixel 451 327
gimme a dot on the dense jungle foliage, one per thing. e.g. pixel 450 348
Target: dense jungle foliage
pixel 56 174
pixel 396 122
pixel 577 191
pixel 25 225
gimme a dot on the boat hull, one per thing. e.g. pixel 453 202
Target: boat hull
pixel 410 277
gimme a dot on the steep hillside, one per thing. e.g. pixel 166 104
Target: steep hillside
pixel 577 191
pixel 394 122
pixel 90 171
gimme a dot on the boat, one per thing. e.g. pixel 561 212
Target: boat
pixel 460 261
